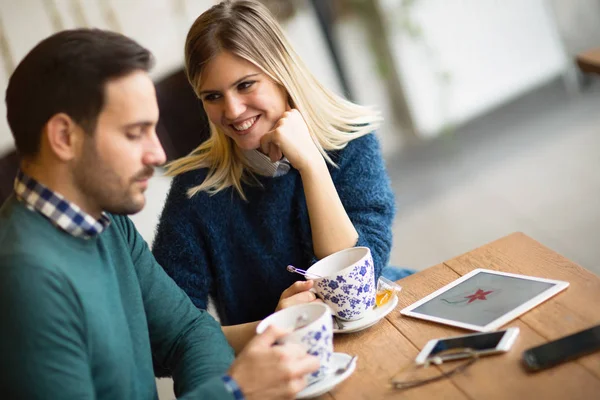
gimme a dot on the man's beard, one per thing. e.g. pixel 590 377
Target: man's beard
pixel 104 187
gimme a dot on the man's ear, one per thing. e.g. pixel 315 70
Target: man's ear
pixel 63 136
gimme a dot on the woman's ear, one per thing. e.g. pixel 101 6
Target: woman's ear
pixel 62 136
pixel 290 103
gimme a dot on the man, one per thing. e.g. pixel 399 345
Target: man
pixel 85 309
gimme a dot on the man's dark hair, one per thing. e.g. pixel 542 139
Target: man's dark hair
pixel 67 73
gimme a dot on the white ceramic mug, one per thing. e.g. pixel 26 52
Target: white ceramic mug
pixel 314 331
pixel 347 285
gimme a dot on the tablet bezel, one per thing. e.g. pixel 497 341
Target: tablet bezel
pixel 558 287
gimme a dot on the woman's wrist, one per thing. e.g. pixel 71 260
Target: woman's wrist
pixel 316 167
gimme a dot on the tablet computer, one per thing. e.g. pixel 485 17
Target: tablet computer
pixel 484 300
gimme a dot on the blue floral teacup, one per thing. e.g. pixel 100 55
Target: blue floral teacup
pixel 312 328
pixel 347 285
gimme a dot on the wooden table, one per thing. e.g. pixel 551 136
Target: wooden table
pixel 388 349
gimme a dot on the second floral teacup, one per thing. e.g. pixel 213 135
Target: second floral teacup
pixel 312 328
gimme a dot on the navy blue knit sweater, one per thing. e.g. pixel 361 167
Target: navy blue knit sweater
pixel 237 251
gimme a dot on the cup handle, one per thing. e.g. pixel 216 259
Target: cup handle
pixel 312 290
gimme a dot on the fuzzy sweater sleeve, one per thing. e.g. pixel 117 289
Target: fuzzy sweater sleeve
pixel 179 246
pixel 365 191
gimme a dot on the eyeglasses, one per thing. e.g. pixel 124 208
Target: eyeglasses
pixel 440 358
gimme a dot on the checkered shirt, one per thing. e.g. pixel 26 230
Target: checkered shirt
pixel 65 215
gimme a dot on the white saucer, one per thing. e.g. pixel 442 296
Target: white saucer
pixel 371 318
pixel 338 360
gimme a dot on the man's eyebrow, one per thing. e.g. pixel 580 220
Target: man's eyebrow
pixel 137 124
pixel 233 84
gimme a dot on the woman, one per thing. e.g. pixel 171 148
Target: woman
pixel 291 172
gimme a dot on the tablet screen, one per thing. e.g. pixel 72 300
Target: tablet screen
pixel 482 298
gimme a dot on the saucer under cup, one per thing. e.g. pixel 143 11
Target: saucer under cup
pixel 315 333
pixel 348 283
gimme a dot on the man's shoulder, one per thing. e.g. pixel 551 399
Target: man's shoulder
pixel 121 222
pixel 9 211
pixel 30 240
pixel 31 271
pixel 122 236
pixel 23 233
pixel 19 262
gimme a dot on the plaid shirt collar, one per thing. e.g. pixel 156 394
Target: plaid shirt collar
pixel 65 215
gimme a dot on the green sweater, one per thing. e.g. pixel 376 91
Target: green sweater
pixel 86 319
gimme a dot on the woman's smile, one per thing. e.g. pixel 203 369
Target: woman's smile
pixel 244 127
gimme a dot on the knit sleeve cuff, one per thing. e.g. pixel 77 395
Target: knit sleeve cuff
pixel 232 387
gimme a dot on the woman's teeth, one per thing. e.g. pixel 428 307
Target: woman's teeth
pixel 245 125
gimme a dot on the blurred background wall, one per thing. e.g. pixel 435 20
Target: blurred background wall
pixel 451 61
pixel 516 44
pixel 160 25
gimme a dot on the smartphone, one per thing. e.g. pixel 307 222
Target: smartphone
pixel 563 349
pixel 481 343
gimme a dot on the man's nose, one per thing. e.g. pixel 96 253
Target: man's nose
pixel 234 107
pixel 154 154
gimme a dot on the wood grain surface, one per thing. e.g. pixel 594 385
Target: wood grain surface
pixel 387 350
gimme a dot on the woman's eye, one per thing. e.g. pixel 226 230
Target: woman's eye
pixel 245 85
pixel 211 97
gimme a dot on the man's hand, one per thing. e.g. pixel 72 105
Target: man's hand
pixel 266 371
pixel 298 293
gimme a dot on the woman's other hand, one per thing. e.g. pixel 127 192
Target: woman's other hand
pixel 290 138
pixel 298 293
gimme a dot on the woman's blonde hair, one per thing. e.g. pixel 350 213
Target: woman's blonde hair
pixel 247 29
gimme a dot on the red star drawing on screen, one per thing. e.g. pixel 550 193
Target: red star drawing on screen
pixel 479 295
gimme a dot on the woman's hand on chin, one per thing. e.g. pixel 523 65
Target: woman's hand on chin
pixel 290 138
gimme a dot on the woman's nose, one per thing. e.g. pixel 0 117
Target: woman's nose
pixel 234 107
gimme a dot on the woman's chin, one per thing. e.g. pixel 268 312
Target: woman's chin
pixel 247 146
pixel 248 142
